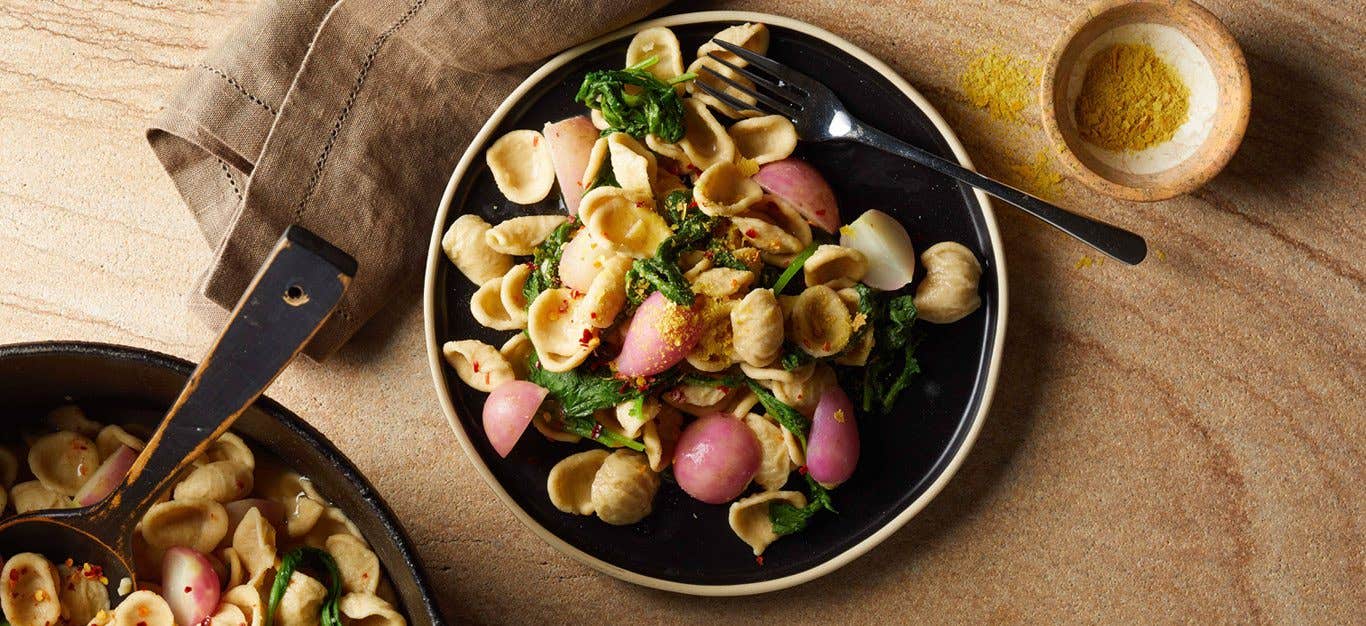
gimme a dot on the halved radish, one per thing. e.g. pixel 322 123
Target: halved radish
pixel 581 259
pixel 189 585
pixel 802 187
pixel 570 142
pixel 832 449
pixel 716 458
pixel 508 411
pixel 107 476
pixel 660 335
pixel 884 242
pixel 273 511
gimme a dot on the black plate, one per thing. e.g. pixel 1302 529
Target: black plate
pixel 140 385
pixel 686 541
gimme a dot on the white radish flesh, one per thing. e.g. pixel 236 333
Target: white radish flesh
pixel 884 242
pixel 571 141
pixel 108 476
pixel 189 585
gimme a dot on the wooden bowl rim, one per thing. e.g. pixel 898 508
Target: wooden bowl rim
pixel 1200 168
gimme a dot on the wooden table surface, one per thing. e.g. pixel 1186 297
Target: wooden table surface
pixel 1181 440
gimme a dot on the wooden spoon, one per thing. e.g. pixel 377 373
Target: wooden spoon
pixel 294 293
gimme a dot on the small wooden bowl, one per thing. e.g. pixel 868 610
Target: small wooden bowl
pixel 1222 96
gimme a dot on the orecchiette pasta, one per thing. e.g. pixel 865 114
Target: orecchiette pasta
pixel 303 515
pixel 624 220
pixel 108 440
pixel 834 266
pixel 774 228
pixel 63 461
pixel 704 142
pixel 623 489
pixel 70 417
pixel 722 282
pixel 368 609
pixel 198 524
pixel 464 245
pixel 774 465
pixel 220 481
pixel 480 365
pixel 803 396
pixel 723 189
pixel 714 352
pixel 81 596
pixel 757 327
pixel 358 565
pixel 764 139
pixel 749 517
pixel 516 350
pixel 820 323
pixel 35 496
pixel 143 608
pixel 562 339
pixel 666 149
pixel 499 303
pixel 752 37
pixel 948 292
pixel 633 416
pixel 302 602
pixel 606 294
pixel 228 615
pixel 521 166
pixel 661 44
pixel 29 591
pixel 253 542
pixel 551 428
pixel 519 236
pixel 247 598
pixel 232 561
pixel 660 437
pixel 779 374
pixel 633 165
pixel 570 483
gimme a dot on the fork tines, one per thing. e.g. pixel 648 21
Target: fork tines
pixel 786 91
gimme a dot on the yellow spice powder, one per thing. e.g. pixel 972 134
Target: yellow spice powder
pixel 1037 176
pixel 1130 99
pixel 1000 83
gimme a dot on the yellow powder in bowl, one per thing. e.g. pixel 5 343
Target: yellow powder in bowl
pixel 1130 99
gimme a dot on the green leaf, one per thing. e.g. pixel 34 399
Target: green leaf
pixel 331 612
pixel 656 109
pixel 578 392
pixel 545 261
pixel 589 428
pixel 792 269
pixel 661 274
pixel 788 519
pixel 892 364
pixel 794 357
pixel 793 421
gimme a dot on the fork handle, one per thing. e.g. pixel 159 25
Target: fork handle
pixel 1114 241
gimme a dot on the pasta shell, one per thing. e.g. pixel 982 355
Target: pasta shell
pixel 367 609
pixel 254 543
pixel 704 142
pixel 478 364
pixel 774 228
pixel 517 352
pixel 521 166
pixel 666 149
pixel 834 266
pixel 108 440
pixel 757 326
pixel 230 447
pixel 247 598
pixel 28 591
pixel 775 465
pixel 693 263
pixel 63 461
pixel 750 36
pixel 948 292
pixel 723 282
pixel 228 615
pixel 724 190
pixel 333 522
pixel 606 295
pixel 767 375
pixel 658 42
pixel 632 421
pixel 552 429
pixel 303 516
pixel 660 437
pixel 70 417
pixel 764 139
pixel 623 489
pixel 143 608
pixel 499 303
pixel 750 520
pixel 302 601
pixel 666 183
pixel 624 220
pixel 561 339
pixel 570 484
pixel 220 481
pixel 81 597
pixel 237 570
pixel 9 467
pixel 707 71
pixel 795 452
pixel 744 404
pixel 805 395
pixel 714 351
pixel 821 325
pixel 519 236
pixel 599 122
pixel 464 245
pixel 633 165
pixel 358 565
pixel 597 160
pixel 198 524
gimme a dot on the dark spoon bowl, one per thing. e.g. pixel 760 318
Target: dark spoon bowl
pixel 138 385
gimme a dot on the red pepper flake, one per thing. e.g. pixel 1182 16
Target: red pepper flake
pixel 692 204
pixel 826 347
pixel 820 211
pixel 596 432
pixel 801 470
pixel 14 574
pixel 751 233
pixel 640 204
pixel 723 389
pixel 564 306
pixel 575 293
pixel 760 560
pixel 593 314
pixel 488 378
pixel 530 264
pixel 475 365
pixel 586 338
pixel 536 140
pixel 188 589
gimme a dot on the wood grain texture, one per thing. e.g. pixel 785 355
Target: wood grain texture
pixel 1181 441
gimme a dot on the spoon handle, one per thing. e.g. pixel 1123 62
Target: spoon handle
pixel 296 290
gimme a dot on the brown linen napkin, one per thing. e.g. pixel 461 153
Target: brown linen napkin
pixel 347 118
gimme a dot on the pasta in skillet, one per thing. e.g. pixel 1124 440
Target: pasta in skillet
pixel 699 310
pixel 224 531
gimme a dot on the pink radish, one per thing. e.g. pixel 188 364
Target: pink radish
pixel 273 511
pixel 716 458
pixel 508 411
pixel 189 585
pixel 107 476
pixel 570 142
pixel 802 187
pixel 832 448
pixel 660 335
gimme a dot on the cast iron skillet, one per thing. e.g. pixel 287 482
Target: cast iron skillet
pixel 685 545
pixel 140 385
